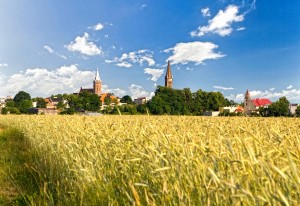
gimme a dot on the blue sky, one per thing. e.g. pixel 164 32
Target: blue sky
pixel 50 47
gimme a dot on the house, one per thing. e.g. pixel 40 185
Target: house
pixel 140 100
pixel 108 95
pixel 45 111
pixel 292 108
pixel 252 105
pixel 231 109
pixel 52 102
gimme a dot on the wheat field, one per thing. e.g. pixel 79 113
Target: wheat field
pixel 161 160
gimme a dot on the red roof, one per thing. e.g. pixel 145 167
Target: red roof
pixel 261 102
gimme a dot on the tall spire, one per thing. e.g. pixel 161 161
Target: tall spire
pixel 247 95
pixel 97 77
pixel 97 84
pixel 169 77
pixel 169 73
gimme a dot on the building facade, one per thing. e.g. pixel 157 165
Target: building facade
pixel 97 86
pixel 252 105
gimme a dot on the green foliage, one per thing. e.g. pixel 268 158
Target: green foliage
pixel 24 106
pixel 184 102
pixel 107 101
pixel 279 108
pixel 21 96
pixel 126 99
pixel 41 102
pixel 298 111
pixel 84 101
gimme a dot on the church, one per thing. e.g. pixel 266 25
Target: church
pixel 252 105
pixel 97 85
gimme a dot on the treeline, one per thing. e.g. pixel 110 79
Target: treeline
pixel 176 102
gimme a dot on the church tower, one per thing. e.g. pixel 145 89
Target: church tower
pixel 97 84
pixel 169 77
pixel 247 101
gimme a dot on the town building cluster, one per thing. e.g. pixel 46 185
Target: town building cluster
pixel 250 105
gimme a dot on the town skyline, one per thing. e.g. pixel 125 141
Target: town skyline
pixel 225 45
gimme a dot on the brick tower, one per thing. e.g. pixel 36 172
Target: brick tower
pixel 169 77
pixel 97 86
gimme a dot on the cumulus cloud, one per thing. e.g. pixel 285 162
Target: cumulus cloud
pixel 97 27
pixel 84 46
pixel 155 73
pixel 197 52
pixel 290 87
pixel 137 91
pixel 221 23
pixel 44 82
pixel 291 95
pixel 137 57
pixel 3 65
pixel 124 64
pixel 117 92
pixel 223 88
pixel 205 12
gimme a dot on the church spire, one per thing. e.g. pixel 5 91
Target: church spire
pixel 97 77
pixel 169 77
pixel 247 95
pixel 97 84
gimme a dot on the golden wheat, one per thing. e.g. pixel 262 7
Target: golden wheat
pixel 150 160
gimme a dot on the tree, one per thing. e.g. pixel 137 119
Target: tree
pixel 24 106
pixel 298 111
pixel 107 100
pixel 60 105
pixel 126 99
pixel 21 96
pixel 280 107
pixel 41 102
pixel 89 101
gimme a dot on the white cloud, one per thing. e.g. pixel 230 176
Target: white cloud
pixel 3 65
pixel 51 51
pixel 290 87
pixel 143 6
pixel 292 95
pixel 205 12
pixel 106 36
pixel 155 73
pixel 82 45
pixel 189 69
pixel 138 91
pixel 137 57
pixel 44 82
pixel 241 28
pixel 197 52
pixel 223 88
pixel 48 48
pixel 221 23
pixel 117 92
pixel 272 89
pixel 124 64
pixel 97 27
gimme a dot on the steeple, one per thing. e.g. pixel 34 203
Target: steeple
pixel 97 77
pixel 97 84
pixel 247 95
pixel 169 77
